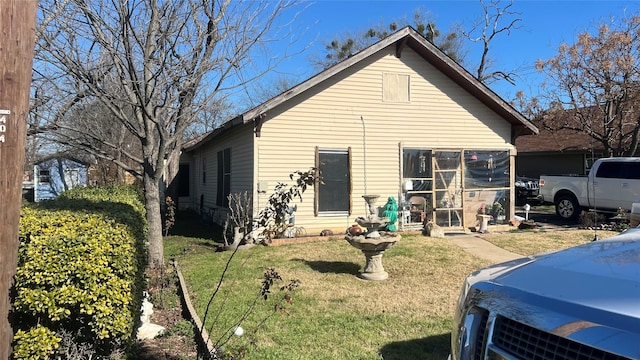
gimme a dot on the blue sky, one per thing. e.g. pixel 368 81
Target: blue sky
pixel 545 25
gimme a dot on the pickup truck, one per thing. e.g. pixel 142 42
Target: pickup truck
pixel 578 303
pixel 612 184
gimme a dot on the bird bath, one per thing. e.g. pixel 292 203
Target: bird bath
pixel 373 243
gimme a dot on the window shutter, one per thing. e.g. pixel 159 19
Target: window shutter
pixel 220 184
pixel 350 182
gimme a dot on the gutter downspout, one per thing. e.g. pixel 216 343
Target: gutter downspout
pixel 364 149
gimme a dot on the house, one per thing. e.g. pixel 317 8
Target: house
pixel 563 146
pixel 398 119
pixel 53 175
pixel 562 151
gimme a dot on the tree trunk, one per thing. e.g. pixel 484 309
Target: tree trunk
pixel 17 36
pixel 154 218
pixel 173 166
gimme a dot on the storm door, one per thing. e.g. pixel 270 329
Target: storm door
pixel 447 176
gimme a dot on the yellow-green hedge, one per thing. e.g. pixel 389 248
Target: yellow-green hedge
pixel 80 269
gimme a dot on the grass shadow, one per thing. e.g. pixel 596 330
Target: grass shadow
pixel 432 347
pixel 336 267
pixel 191 224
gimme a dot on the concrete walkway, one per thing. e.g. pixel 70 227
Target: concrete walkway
pixel 481 248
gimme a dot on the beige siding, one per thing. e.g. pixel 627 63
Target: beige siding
pixel 350 112
pixel 240 140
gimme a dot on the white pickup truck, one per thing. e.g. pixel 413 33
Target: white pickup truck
pixel 612 183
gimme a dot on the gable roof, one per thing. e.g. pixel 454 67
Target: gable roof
pixel 564 131
pixel 561 140
pixel 78 158
pixel 405 37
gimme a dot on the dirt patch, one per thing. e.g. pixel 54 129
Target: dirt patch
pixel 178 341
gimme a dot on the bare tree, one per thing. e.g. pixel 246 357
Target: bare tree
pixel 497 20
pixel 349 43
pixel 262 91
pixel 34 144
pixel 219 110
pixel 239 223
pixel 154 65
pixel 103 133
pixel 593 86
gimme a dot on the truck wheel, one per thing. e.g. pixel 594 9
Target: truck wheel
pixel 567 207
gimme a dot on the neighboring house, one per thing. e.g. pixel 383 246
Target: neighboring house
pixel 564 147
pixel 53 175
pixel 556 152
pixel 398 119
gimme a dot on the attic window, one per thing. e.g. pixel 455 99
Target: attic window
pixel 395 88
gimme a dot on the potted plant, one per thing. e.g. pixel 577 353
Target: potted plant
pixel 497 210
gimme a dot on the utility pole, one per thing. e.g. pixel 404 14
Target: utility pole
pixel 17 39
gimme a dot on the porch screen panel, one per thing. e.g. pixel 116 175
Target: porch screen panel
pixel 417 186
pixel 333 190
pixel 486 169
pixel 487 184
pixel 448 187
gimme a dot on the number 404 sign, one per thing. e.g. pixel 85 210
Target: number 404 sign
pixel 3 124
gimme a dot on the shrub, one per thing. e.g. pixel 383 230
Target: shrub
pixel 80 270
pixel 37 343
pixel 591 219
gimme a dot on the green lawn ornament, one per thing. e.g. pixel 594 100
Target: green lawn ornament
pixel 391 212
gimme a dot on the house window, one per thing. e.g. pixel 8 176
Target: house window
pixel 44 176
pixel 333 192
pixel 224 177
pixel 183 180
pixel 396 88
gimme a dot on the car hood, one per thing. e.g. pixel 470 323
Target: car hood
pixel 603 274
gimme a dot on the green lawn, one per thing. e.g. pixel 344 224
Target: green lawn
pixel 334 314
pixel 531 243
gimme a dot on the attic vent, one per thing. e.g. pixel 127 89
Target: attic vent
pixel 395 88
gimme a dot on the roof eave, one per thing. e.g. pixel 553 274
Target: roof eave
pixel 238 120
pixel 408 37
pixel 463 78
pixel 402 38
pixel 324 75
